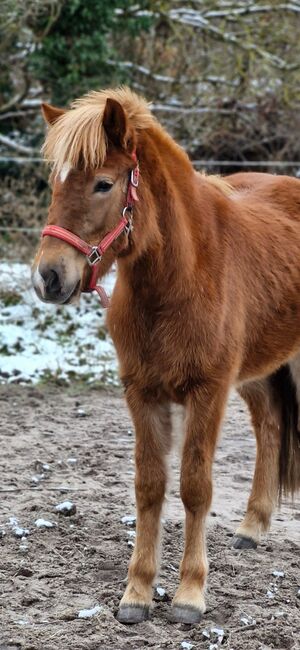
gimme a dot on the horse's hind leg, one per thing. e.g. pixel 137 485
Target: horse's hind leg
pixel 152 422
pixel 265 415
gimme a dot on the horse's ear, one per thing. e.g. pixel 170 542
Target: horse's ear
pixel 51 113
pixel 115 122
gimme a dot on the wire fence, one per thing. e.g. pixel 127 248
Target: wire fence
pixel 197 163
pixel 204 163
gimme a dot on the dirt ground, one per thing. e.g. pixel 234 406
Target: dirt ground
pixel 77 444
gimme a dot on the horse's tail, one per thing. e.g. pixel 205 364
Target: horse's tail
pixel 286 392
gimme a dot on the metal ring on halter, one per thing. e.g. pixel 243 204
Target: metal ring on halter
pixel 94 256
pixel 129 226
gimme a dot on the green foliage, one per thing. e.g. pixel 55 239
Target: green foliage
pixel 78 50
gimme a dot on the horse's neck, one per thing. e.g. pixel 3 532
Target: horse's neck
pixel 170 221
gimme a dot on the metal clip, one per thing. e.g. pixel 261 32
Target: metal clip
pixel 94 257
pixel 134 177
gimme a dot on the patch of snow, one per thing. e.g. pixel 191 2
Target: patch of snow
pixel 65 505
pixel 66 508
pixel 270 594
pixel 219 632
pixel 187 645
pixel 44 523
pixel 37 478
pixel 88 613
pixel 247 620
pixel 278 574
pixel 129 520
pixel 161 591
pixel 21 621
pixel 39 340
pixel 72 461
pixel 81 413
pixel 17 530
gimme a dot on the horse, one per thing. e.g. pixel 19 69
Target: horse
pixel 207 297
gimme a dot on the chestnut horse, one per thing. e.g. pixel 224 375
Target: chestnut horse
pixel 207 297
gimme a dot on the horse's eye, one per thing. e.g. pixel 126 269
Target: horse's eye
pixel 103 186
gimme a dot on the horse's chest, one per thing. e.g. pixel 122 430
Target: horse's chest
pixel 161 358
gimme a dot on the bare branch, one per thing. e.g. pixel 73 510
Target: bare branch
pixel 192 18
pixel 11 144
pixel 18 98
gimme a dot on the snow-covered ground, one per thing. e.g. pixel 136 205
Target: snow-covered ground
pixel 39 341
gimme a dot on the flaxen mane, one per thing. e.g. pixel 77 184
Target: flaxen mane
pixel 78 136
pixel 218 182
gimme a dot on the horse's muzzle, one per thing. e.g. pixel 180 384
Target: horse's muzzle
pixel 50 285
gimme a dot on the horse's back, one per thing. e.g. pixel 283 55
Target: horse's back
pixel 279 192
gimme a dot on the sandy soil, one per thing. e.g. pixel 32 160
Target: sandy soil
pixel 75 444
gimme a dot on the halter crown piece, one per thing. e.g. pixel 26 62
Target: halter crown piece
pixel 94 254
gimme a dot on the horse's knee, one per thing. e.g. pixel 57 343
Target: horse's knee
pixel 196 493
pixel 150 488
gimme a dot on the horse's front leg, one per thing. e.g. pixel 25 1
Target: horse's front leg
pixel 204 413
pixel 153 436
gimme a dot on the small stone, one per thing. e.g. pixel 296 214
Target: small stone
pixel 80 413
pixel 66 508
pixel 160 594
pixel 37 478
pixel 43 523
pixel 23 548
pixel 247 620
pixel 88 613
pixel 278 574
pixel 129 520
pixel 219 632
pixel 17 530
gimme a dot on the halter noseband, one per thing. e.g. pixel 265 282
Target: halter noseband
pixel 94 254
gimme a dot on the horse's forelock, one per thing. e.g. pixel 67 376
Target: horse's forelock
pixel 78 137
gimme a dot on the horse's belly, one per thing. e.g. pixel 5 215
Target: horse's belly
pixel 273 346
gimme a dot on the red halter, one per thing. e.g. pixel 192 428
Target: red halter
pixel 94 254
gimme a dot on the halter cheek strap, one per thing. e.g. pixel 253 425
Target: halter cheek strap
pixel 94 254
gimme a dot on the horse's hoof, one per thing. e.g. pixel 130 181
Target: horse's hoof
pixel 131 614
pixel 241 542
pixel 185 614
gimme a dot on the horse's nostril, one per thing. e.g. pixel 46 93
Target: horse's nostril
pixel 52 282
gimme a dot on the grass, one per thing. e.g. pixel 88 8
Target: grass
pixel 10 298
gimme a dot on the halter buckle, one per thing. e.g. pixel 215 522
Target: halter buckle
pixel 94 256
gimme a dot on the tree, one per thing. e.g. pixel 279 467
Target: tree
pixel 77 52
